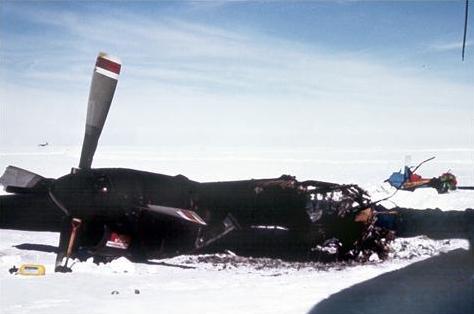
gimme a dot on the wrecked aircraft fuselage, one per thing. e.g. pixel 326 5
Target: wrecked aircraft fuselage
pixel 123 214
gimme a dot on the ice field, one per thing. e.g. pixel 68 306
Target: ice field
pixel 234 285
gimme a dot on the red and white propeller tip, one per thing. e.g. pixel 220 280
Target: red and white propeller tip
pixel 108 65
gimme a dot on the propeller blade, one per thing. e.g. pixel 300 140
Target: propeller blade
pixel 17 180
pixel 184 214
pixel 104 81
pixel 18 177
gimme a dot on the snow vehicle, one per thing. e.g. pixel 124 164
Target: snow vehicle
pixel 113 212
pixel 410 181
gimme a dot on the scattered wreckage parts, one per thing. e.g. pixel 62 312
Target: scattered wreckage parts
pixel 309 220
pixel 409 180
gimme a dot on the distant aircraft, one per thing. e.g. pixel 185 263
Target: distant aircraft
pixel 141 215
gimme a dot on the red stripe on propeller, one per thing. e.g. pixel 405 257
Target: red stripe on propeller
pixel 108 65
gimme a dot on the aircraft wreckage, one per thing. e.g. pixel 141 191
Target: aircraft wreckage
pixel 114 212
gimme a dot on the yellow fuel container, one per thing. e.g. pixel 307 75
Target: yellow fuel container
pixel 32 270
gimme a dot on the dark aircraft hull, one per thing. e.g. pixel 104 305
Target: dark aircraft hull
pixel 31 212
pixel 278 217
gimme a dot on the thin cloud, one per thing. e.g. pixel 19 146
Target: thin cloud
pixel 448 46
pixel 209 77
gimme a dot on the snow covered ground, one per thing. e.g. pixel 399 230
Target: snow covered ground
pixel 366 167
pixel 205 287
pixel 220 283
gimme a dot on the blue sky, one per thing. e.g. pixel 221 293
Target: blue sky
pixel 292 74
